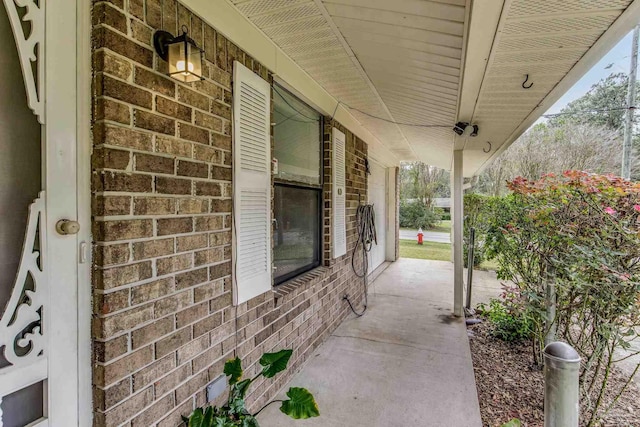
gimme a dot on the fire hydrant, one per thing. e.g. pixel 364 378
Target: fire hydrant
pixel 420 235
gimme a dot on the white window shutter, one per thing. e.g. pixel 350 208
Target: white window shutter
pixel 339 195
pixel 251 184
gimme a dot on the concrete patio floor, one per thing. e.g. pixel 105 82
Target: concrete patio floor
pixel 406 362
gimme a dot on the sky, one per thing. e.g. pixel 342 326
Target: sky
pixel 619 56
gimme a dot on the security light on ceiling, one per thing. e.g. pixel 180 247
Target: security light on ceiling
pixel 182 53
pixel 462 128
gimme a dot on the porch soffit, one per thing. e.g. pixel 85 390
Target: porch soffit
pixel 548 40
pixel 402 61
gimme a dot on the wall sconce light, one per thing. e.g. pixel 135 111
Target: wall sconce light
pixel 182 53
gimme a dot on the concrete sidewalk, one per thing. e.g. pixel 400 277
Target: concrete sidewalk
pixel 406 362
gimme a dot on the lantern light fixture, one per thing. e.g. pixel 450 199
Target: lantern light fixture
pixel 182 53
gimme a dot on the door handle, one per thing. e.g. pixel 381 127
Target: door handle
pixel 67 226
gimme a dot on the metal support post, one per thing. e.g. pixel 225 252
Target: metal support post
pixel 631 101
pixel 471 250
pixel 550 321
pixel 561 390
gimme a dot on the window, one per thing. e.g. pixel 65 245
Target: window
pixel 298 186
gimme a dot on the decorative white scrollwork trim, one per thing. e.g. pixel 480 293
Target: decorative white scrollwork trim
pixel 30 49
pixel 21 333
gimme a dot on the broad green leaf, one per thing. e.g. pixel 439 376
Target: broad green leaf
pixel 236 406
pixel 233 369
pixel 513 423
pixel 301 404
pixel 222 422
pixel 196 418
pixel 275 362
pixel 250 421
pixel 239 390
pixel 207 421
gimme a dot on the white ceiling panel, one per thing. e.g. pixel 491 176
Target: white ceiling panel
pixel 544 40
pixel 399 65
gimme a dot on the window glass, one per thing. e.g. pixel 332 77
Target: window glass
pixel 297 233
pixel 297 138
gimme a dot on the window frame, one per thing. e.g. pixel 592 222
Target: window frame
pixel 317 188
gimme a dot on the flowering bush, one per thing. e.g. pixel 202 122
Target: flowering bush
pixel 581 232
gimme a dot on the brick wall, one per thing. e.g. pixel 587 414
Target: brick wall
pixel 163 321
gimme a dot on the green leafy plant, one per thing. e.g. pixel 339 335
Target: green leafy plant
pixel 300 405
pixel 415 214
pixel 508 323
pixel 513 423
pixel 477 209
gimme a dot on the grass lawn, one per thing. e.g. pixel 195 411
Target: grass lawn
pixel 443 227
pixel 434 251
pixel 429 250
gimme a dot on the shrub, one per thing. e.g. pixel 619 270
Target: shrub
pixel 477 210
pixel 415 214
pixel 508 316
pixel 579 233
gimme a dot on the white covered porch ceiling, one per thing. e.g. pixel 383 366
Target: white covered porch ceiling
pixel 409 69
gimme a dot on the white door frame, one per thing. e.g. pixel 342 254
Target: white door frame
pixel 381 220
pixel 60 97
pixel 84 145
pixel 68 95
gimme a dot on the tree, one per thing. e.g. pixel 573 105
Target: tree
pixel 423 182
pixel 554 148
pixel 604 105
pixel 585 135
